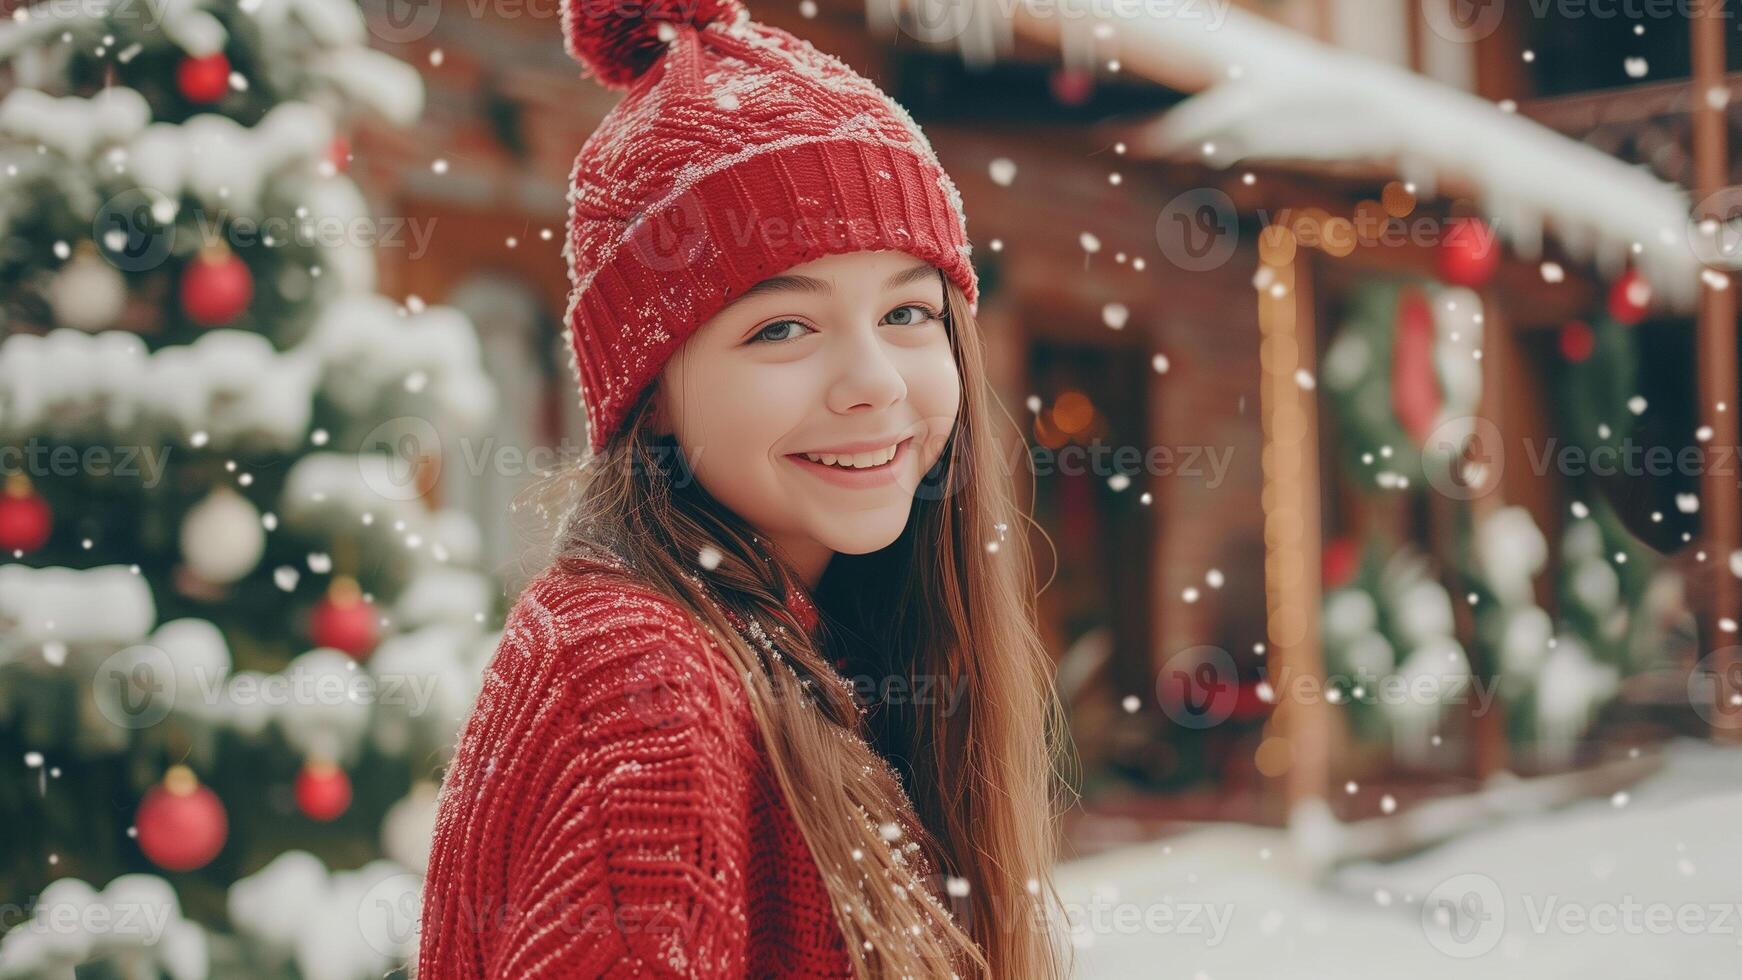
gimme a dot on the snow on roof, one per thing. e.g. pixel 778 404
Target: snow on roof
pixel 1276 94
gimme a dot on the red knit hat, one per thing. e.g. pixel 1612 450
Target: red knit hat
pixel 739 152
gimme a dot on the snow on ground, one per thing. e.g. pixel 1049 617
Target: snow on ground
pixel 1643 886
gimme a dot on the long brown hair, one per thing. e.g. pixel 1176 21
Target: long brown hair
pixel 937 610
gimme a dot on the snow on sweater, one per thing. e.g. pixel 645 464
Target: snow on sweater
pixel 604 815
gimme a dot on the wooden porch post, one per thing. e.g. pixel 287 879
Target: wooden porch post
pixel 1716 345
pixel 1288 412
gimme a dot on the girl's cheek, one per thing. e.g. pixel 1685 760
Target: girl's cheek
pixel 936 392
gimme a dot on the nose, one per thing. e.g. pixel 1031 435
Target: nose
pixel 866 377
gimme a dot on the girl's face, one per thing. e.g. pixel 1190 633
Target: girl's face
pixel 846 357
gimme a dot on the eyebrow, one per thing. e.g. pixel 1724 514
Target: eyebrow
pixel 809 284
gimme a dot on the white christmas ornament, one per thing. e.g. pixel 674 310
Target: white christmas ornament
pixel 87 293
pixel 221 537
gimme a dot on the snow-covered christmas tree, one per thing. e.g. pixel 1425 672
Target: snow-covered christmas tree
pixel 237 633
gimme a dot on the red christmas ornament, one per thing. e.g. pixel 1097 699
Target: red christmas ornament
pixel 1070 86
pixel 181 824
pixel 1577 341
pixel 344 620
pixel 1339 562
pixel 1250 702
pixel 339 154
pixel 1469 254
pixel 216 287
pixel 204 79
pixel 1415 385
pixel 1629 298
pixel 323 791
pixel 25 520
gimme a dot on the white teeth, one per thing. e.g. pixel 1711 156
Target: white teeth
pixel 858 461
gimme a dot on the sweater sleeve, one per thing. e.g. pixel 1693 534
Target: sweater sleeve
pixel 633 806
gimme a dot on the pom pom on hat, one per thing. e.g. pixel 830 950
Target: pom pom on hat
pixel 618 40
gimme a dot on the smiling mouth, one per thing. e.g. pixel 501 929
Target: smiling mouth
pixel 810 460
pixel 845 463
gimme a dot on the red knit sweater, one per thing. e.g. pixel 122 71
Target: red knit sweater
pixel 605 815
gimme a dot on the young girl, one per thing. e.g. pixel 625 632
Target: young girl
pixel 779 706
